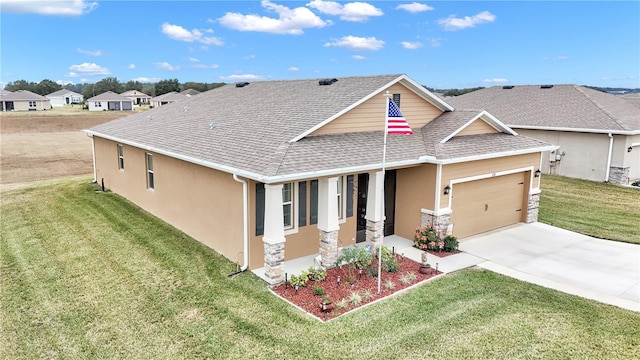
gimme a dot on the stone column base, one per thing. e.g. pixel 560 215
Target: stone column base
pixel 328 247
pixel 619 175
pixel 273 262
pixel 439 222
pixel 532 208
pixel 374 232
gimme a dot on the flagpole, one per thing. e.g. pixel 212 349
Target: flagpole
pixel 384 156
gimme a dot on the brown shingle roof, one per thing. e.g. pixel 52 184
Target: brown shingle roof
pixel 249 129
pixel 559 107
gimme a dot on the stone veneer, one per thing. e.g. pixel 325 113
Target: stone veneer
pixel 328 247
pixel 273 262
pixel 439 222
pixel 619 175
pixel 532 208
pixel 374 233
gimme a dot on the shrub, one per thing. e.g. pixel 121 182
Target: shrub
pixel 450 243
pixel 426 238
pixel 300 280
pixel 389 261
pixel 317 290
pixel 317 274
pixel 355 258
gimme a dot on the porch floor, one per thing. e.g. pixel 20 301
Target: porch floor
pixel 398 244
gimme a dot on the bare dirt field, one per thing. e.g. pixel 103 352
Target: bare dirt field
pixel 47 145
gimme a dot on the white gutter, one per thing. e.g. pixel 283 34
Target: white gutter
pixel 583 130
pixel 245 222
pixel 609 155
pixel 93 150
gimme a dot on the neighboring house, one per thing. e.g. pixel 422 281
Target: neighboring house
pixel 110 101
pixel 168 98
pixel 190 92
pixel 275 170
pixel 138 98
pixel 598 134
pixel 23 100
pixel 64 97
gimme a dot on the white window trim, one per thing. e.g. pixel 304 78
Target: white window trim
pixel 120 148
pixel 342 207
pixel 294 209
pixel 150 172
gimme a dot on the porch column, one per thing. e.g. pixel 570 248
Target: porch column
pixel 273 234
pixel 533 204
pixel 375 211
pixel 328 220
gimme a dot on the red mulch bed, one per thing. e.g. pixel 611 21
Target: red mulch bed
pixel 337 291
pixel 441 253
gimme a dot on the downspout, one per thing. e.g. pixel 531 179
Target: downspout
pixel 93 150
pixel 245 225
pixel 610 155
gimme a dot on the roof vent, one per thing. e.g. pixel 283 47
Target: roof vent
pixel 546 86
pixel 327 81
pixel 242 84
pixel 508 87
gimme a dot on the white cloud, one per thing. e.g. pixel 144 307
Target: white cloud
pixel 177 32
pixel 453 23
pixel 192 59
pixel 87 69
pixel 240 77
pixel 357 43
pixel 147 80
pixel 204 66
pixel 414 7
pixel 358 57
pixel 249 57
pixel 64 82
pixel 166 66
pixel 131 66
pixel 289 21
pixel 495 80
pixel 293 69
pixel 354 11
pixel 411 45
pixel 434 42
pixel 90 52
pixel 49 7
pixel 555 58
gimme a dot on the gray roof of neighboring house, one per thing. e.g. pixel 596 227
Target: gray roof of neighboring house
pixel 170 96
pixel 62 92
pixel 4 92
pixel 134 93
pixel 109 96
pixel 22 95
pixel 561 107
pixel 190 92
pixel 249 130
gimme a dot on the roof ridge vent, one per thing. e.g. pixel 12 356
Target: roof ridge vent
pixel 508 87
pixel 546 86
pixel 242 84
pixel 327 81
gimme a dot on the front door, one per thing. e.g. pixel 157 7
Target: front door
pixel 389 204
pixel 361 228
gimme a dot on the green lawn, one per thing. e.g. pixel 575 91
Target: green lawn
pixel 86 275
pixel 598 209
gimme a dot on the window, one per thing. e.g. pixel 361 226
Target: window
pixel 120 157
pixel 150 180
pixel 396 99
pixel 97 104
pixel 345 197
pixel 313 202
pixel 287 205
pixel 260 202
pixel 339 198
pixel 302 203
pixel 32 104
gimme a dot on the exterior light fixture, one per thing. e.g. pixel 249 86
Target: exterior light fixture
pixel 447 190
pixel 629 148
pixel 537 173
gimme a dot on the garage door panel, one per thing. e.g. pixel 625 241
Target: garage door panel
pixel 486 204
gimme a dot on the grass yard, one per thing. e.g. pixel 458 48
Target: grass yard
pixel 85 275
pixel 597 209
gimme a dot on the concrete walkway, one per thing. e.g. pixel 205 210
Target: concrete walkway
pixel 600 270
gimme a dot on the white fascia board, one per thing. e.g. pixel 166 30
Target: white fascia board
pixel 424 93
pixel 496 155
pixel 582 130
pixel 486 117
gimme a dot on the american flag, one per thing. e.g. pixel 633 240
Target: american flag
pixel 396 123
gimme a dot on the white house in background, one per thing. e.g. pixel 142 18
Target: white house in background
pixel 23 100
pixel 138 97
pixel 110 101
pixel 168 98
pixel 64 97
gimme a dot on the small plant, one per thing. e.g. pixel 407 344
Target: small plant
pixel 389 261
pixel 354 258
pixel 355 298
pixel 299 280
pixel 372 271
pixel 408 278
pixel 326 300
pixel 426 238
pixel 389 285
pixel 318 274
pixel 450 243
pixel 342 304
pixel 366 294
pixel 317 290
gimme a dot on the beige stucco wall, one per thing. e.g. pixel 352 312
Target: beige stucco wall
pixel 370 115
pixel 630 159
pixel 23 105
pixel 204 203
pixel 415 190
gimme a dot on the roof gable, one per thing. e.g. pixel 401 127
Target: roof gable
pixel 482 123
pixel 109 96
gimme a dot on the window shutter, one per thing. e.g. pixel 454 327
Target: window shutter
pixel 349 195
pixel 302 203
pixel 313 202
pixel 260 208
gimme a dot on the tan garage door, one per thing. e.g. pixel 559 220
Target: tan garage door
pixel 487 204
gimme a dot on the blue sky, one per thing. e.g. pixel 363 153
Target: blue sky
pixel 442 44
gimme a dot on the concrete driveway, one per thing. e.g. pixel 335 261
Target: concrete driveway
pixel 601 270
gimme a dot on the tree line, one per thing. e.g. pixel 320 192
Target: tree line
pixel 47 86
